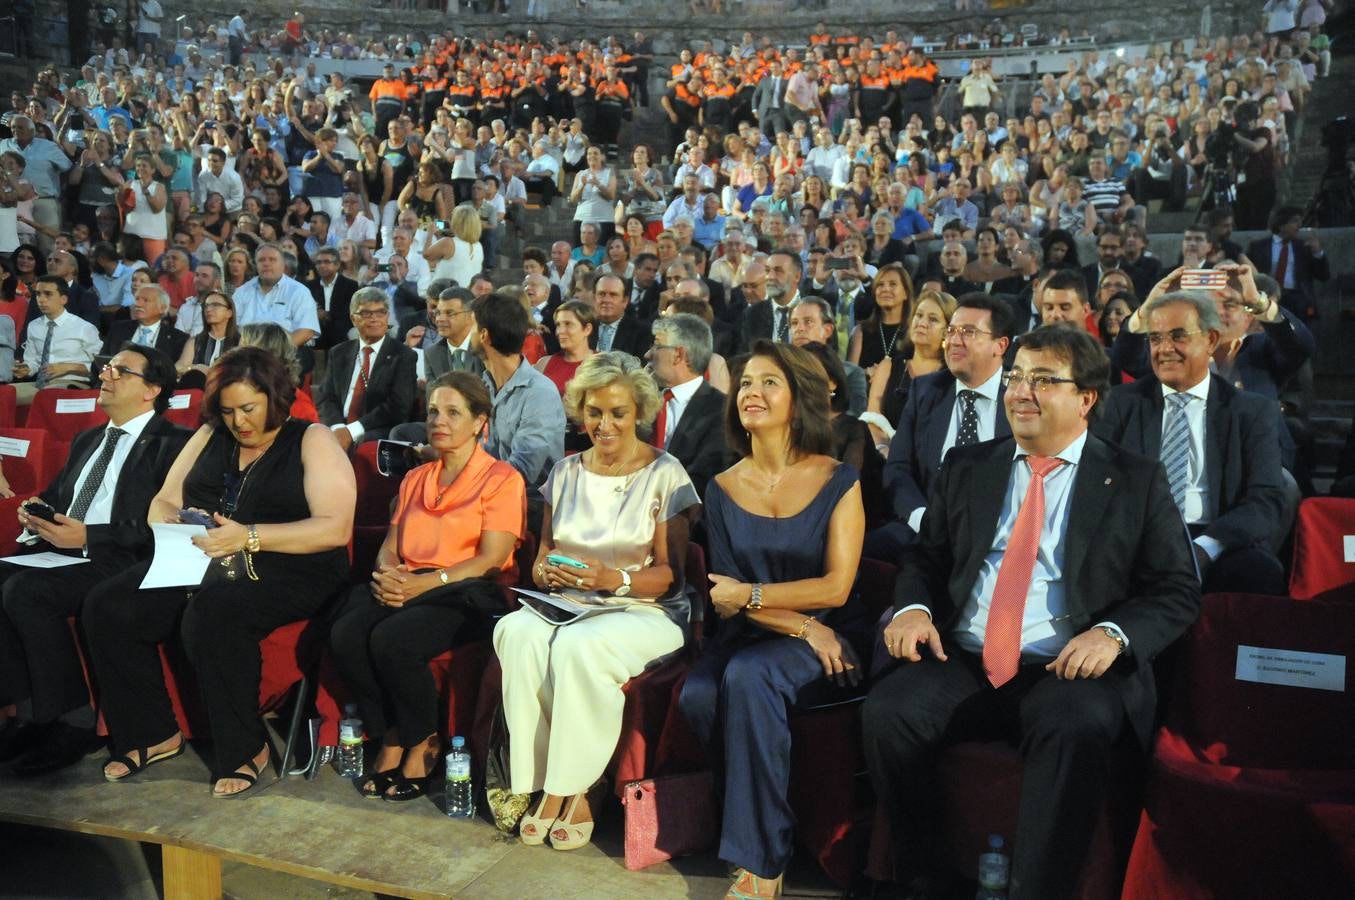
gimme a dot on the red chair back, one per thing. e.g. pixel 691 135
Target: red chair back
pixel 1324 550
pixel 65 413
pixel 375 491
pixel 29 464
pixel 9 405
pixel 185 408
pixel 9 524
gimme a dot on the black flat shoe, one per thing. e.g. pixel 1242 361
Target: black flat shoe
pixel 408 788
pixel 17 738
pixel 374 786
pixel 63 746
pixel 251 779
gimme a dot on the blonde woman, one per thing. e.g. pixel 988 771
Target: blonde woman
pixel 458 255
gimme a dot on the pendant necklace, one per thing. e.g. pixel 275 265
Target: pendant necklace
pixel 889 347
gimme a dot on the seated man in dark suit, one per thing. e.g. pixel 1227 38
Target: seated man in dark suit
pixel 770 319
pixel 950 278
pixel 332 292
pixel 690 424
pixel 419 329
pixel 1295 265
pixel 1109 253
pixel 644 287
pixel 1220 446
pixel 454 350
pixel 1027 258
pixel 957 406
pixel 1051 570
pixel 617 327
pixel 365 394
pixel 83 302
pixel 148 327
pixel 100 499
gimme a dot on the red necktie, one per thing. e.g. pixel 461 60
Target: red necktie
pixel 661 422
pixel 360 389
pixel 1002 636
pixel 1282 265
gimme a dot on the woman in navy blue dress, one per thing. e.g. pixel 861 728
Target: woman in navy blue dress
pixel 785 525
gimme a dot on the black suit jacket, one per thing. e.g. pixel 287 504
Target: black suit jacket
pixel 1242 454
pixel 1127 558
pixel 1307 268
pixel 647 308
pixel 437 360
pixel 632 336
pixel 758 322
pixel 336 325
pixel 169 341
pixel 915 451
pixel 699 441
pixel 390 390
pixel 127 537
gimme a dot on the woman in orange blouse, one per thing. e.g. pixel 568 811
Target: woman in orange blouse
pixel 455 527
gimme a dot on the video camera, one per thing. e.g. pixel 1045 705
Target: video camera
pixel 1337 136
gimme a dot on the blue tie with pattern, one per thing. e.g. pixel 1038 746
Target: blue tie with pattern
pixel 1176 447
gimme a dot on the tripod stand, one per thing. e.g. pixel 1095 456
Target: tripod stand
pixel 1333 201
pixel 1219 190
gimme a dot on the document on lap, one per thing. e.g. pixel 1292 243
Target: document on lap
pixel 45 560
pixel 177 562
pixel 564 607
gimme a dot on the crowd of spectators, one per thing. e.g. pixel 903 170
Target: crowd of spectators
pixel 839 197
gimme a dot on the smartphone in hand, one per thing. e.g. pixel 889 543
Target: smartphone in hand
pixel 197 517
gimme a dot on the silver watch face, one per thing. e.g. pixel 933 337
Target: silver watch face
pixel 622 591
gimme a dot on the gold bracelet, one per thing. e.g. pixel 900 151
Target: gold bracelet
pixel 804 627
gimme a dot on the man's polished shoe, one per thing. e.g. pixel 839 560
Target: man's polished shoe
pixel 17 738
pixel 64 745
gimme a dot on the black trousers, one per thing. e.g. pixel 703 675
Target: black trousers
pixel 383 653
pixel 221 626
pixel 1066 731
pixel 39 660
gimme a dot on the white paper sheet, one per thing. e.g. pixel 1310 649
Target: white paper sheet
pixel 177 563
pixel 1292 668
pixel 75 405
pixel 1349 541
pixel 45 560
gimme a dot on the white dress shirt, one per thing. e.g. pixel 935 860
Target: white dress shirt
pixel 985 407
pixel 189 317
pixel 1196 501
pixel 74 341
pixel 100 510
pixel 419 271
pixel 288 303
pixel 355 428
pixel 682 395
pixel 362 230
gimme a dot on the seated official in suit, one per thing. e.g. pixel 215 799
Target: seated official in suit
pixel 59 347
pixel 957 406
pixel 1220 446
pixel 332 291
pixel 148 327
pixel 282 494
pixel 785 526
pixel 369 387
pixel 454 349
pixel 100 498
pixel 617 327
pixel 690 420
pixel 453 532
pixel 623 509
pixel 769 318
pixel 1294 264
pixel 218 335
pixel 1051 570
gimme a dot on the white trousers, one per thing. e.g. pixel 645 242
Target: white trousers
pixel 562 696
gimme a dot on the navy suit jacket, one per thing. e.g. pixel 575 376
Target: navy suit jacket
pixel 1307 268
pixel 915 451
pixel 1242 454
pixel 391 391
pixel 1127 558
pixel 699 441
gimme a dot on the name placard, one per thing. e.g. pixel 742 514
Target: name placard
pixel 10 446
pixel 76 405
pixel 1291 668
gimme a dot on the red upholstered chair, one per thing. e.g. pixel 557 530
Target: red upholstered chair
pixel 9 524
pixel 9 404
pixel 185 408
pixel 29 459
pixel 64 413
pixel 1251 791
pixel 1324 550
pixel 371 517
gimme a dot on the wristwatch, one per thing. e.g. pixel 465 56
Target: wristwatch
pixel 1114 636
pixel 755 601
pixel 623 589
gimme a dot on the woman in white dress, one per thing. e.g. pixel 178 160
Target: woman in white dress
pixel 146 219
pixel 458 255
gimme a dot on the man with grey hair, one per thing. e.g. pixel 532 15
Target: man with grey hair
pixel 147 328
pixel 688 203
pixel 45 167
pixel 1220 446
pixel 369 385
pixel 690 423
pixel 273 296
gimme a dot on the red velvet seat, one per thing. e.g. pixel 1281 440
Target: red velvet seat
pixel 64 413
pixel 1251 791
pixel 31 459
pixel 9 405
pixel 185 408
pixel 1324 550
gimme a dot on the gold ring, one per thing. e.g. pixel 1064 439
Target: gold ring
pixel 578 582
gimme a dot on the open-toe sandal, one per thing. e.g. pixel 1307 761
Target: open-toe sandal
pixel 251 777
pixel 406 789
pixel 374 786
pixel 133 767
pixel 533 829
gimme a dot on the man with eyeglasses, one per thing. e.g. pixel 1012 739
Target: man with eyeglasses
pixel 690 424
pixel 454 349
pixel 59 347
pixel 148 327
pixel 957 406
pixel 1220 445
pixel 100 499
pixel 1109 250
pixel 369 386
pixel 1014 620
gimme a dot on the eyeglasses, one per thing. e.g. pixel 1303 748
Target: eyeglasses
pixel 1038 383
pixel 115 373
pixel 444 314
pixel 1178 336
pixel 371 314
pixel 965 332
pixel 215 306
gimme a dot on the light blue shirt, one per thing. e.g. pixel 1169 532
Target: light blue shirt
pixel 44 164
pixel 288 304
pixel 116 288
pixel 527 428
pixel 948 209
pixel 709 234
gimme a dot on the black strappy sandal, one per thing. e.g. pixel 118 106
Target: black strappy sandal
pixel 408 788
pixel 251 777
pixel 374 786
pixel 133 768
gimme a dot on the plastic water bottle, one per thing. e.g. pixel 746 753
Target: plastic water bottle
pixel 460 800
pixel 350 744
pixel 994 868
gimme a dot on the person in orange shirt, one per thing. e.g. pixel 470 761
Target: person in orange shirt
pixel 388 97
pixel 435 585
pixel 613 99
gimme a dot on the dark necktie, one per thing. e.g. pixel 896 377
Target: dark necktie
pixel 458 360
pixel 782 325
pixel 355 405
pixel 46 353
pixel 1282 265
pixel 969 420
pixel 96 474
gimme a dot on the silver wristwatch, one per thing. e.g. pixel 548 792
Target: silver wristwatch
pixel 624 588
pixel 1114 636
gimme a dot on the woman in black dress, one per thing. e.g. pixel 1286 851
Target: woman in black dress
pixel 887 327
pixel 281 493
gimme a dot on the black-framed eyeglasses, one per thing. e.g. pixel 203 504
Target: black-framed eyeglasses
pixel 1177 336
pixel 965 332
pixel 115 372
pixel 372 313
pixel 215 306
pixel 1038 383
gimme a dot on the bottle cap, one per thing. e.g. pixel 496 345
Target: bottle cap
pixel 458 742
pixel 995 841
pixel 346 732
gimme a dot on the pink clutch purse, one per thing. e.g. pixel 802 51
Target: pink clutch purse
pixel 667 817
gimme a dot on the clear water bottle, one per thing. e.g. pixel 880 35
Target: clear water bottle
pixel 994 869
pixel 349 759
pixel 460 799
